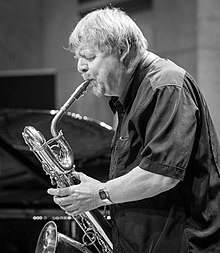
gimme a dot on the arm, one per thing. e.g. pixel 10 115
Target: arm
pixel 135 185
pixel 138 184
pixel 168 141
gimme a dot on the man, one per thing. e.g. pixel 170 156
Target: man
pixel 164 184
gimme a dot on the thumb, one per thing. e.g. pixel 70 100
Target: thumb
pixel 77 177
pixel 87 179
pixel 80 176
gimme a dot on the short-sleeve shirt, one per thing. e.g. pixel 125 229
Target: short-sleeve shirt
pixel 164 127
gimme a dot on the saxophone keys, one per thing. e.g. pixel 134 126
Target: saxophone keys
pixel 53 180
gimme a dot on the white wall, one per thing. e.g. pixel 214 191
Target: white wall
pixel 34 32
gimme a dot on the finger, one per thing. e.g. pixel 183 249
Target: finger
pixel 74 213
pixel 60 191
pixel 52 191
pixel 71 208
pixel 60 200
pixel 63 200
pixel 57 201
pixel 84 177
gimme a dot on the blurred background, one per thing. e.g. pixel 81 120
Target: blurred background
pixel 37 74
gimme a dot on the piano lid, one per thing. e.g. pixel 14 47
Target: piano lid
pixel 21 171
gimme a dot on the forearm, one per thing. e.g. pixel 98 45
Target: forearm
pixel 135 185
pixel 138 184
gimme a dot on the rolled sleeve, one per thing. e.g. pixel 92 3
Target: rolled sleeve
pixel 170 131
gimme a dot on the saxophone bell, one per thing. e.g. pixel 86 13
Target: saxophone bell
pixel 51 241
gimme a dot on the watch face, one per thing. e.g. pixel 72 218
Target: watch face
pixel 102 194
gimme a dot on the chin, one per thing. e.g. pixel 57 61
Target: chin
pixel 98 92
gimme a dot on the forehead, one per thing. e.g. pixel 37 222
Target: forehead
pixel 91 47
pixel 85 49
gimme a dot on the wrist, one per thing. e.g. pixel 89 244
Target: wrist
pixel 104 195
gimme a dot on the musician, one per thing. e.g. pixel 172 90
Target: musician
pixel 164 183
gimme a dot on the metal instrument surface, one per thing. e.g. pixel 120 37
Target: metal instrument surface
pixel 50 239
pixel 57 159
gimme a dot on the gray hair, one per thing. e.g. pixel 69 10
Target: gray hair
pixel 107 29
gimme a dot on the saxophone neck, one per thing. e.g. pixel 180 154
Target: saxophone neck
pixel 79 91
pixel 66 158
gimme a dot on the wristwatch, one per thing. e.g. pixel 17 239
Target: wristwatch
pixel 104 196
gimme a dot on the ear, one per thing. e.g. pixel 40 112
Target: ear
pixel 124 54
pixel 128 54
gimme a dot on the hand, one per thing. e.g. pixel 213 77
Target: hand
pixel 77 199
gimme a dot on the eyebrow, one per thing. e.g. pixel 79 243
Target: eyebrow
pixel 82 52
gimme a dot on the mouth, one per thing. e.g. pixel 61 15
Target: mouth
pixel 90 79
pixel 97 86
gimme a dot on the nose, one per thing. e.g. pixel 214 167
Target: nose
pixel 82 66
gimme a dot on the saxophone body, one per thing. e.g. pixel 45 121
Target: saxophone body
pixel 57 159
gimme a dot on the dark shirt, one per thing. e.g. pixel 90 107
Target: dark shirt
pixel 164 127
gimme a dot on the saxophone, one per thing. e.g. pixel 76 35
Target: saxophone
pixel 58 162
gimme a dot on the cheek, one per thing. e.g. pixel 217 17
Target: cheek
pixel 110 69
pixel 106 69
pixel 112 76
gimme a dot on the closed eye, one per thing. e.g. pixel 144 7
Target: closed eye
pixel 90 58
